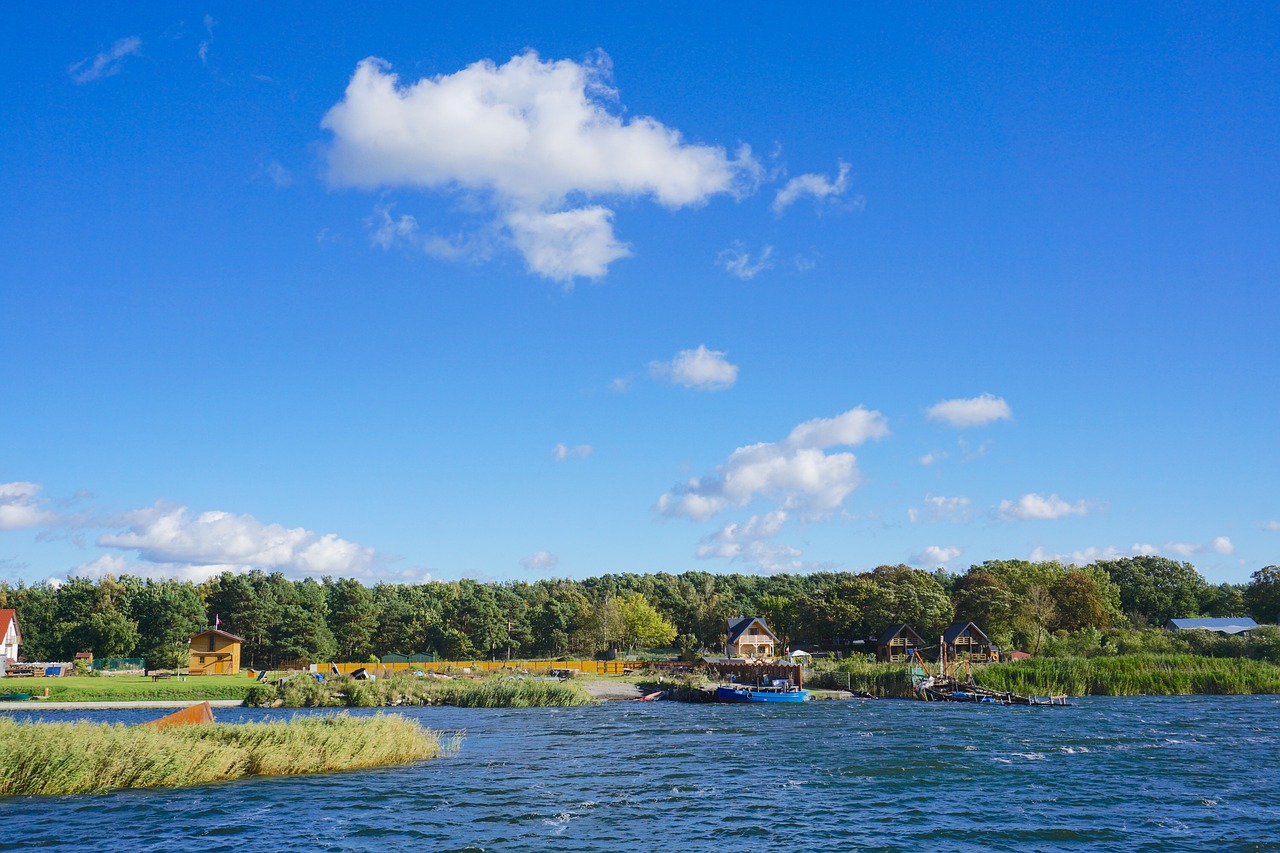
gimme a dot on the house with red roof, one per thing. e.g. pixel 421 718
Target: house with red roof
pixel 10 636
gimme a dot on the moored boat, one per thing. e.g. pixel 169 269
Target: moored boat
pixel 775 691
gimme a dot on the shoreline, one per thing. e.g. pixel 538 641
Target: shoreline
pixel 115 705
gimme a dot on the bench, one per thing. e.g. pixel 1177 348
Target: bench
pixel 156 676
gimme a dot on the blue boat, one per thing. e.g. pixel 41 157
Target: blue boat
pixel 780 690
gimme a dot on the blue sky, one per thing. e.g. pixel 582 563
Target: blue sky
pixel 416 292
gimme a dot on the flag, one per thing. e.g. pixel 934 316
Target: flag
pixel 217 622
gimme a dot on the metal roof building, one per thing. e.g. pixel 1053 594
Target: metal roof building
pixel 1224 625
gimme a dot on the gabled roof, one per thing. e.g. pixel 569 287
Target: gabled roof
pixel 1223 625
pixel 894 630
pixel 220 633
pixel 953 633
pixel 9 617
pixel 739 624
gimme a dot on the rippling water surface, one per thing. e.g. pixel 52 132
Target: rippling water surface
pixel 1189 773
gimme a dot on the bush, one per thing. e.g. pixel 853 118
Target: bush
pixel 261 696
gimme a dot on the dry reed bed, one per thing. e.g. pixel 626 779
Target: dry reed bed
pixel 83 757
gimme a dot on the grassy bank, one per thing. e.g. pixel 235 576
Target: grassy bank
pixel 1132 675
pixel 80 758
pixel 303 691
pixel 1122 675
pixel 130 688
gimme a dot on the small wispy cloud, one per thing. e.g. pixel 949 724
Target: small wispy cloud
pixel 203 50
pixel 1272 526
pixel 562 452
pixel 1092 554
pixel 1223 545
pixel 816 186
pixel 540 561
pixel 938 508
pixel 105 63
pixel 931 458
pixel 935 556
pixel 21 506
pixel 1036 507
pixel 736 261
pixel 970 411
pixel 702 369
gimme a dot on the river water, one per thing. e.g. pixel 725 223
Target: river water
pixel 1166 774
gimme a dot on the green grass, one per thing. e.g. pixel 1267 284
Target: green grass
pixel 1132 675
pixel 130 688
pixel 82 757
pixel 303 691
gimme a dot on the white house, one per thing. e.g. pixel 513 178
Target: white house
pixel 10 635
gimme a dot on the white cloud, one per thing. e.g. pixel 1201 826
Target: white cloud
pixel 795 471
pixel 749 541
pixel 562 452
pixel 1032 506
pixel 701 368
pixel 737 261
pixel 817 186
pixel 169 537
pixel 106 63
pixel 203 50
pixel 534 140
pixel 1223 545
pixel 935 555
pixel 540 561
pixel 973 411
pixel 1272 526
pixel 1182 549
pixel 567 244
pixel 938 508
pixel 931 458
pixel 20 506
pixel 1092 554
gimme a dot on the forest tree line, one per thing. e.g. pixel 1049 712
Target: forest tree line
pixel 1020 604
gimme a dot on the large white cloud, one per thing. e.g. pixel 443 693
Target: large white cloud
pixel 796 471
pixel 971 411
pixel 1084 556
pixel 177 542
pixel 536 138
pixel 701 368
pixel 20 506
pixel 1033 506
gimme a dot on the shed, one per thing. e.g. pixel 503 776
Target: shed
pixel 392 657
pixel 966 641
pixel 423 657
pixel 897 642
pixel 1224 625
pixel 10 636
pixel 215 652
pixel 750 637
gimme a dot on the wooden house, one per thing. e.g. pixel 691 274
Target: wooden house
pixel 750 637
pixel 966 641
pixel 10 636
pixel 897 643
pixel 215 652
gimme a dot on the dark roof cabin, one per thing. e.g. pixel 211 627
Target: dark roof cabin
pixel 750 637
pixel 897 642
pixel 966 641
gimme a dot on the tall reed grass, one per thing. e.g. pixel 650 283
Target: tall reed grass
pixel 1132 675
pixel 83 757
pixel 303 691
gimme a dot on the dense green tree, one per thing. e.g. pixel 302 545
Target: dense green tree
pixel 1078 603
pixel 1154 590
pixel 351 618
pixel 167 613
pixel 642 625
pixel 1262 596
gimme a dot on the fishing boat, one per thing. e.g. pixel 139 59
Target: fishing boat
pixel 771 690
pixel 15 697
pixel 953 682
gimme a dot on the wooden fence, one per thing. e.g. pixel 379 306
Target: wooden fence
pixel 590 667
